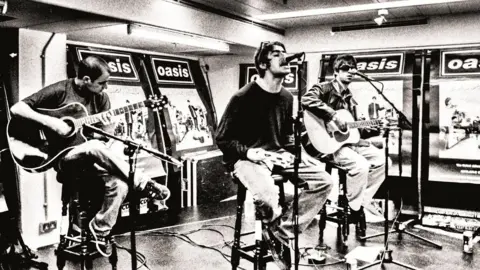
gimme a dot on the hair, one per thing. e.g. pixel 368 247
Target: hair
pixel 261 55
pixel 93 67
pixel 447 100
pixel 344 59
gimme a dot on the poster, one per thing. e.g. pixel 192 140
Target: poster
pixel 454 149
pixel 134 125
pixel 459 116
pixel 188 117
pixel 372 106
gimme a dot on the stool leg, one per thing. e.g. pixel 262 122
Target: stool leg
pixel 258 255
pixel 322 224
pixel 63 242
pixel 343 202
pixel 238 226
pixel 113 259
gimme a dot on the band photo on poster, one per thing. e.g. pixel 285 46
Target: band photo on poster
pixel 189 118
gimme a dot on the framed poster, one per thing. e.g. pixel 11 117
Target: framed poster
pixel 188 117
pixel 136 125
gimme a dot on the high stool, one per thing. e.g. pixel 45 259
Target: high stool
pixel 76 241
pixel 260 256
pixel 341 211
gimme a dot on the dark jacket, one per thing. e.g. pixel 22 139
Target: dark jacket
pixel 323 100
pixel 374 109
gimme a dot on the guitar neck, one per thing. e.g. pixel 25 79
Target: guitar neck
pixel 361 124
pixel 92 119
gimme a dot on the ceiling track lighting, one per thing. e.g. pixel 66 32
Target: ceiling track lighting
pixel 352 8
pixel 177 37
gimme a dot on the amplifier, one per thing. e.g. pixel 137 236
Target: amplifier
pixel 205 179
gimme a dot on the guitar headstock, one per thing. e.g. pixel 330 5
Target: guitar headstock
pixel 156 103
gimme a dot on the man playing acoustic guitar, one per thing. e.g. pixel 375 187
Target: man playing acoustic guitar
pixel 363 162
pixel 93 155
pixel 257 124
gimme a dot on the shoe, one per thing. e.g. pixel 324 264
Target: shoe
pixel 102 243
pixel 316 256
pixel 360 223
pixel 157 191
pixel 278 249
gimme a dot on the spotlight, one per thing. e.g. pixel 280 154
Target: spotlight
pixel 380 20
pixel 381 16
pixel 4 7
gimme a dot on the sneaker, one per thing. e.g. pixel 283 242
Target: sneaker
pixel 102 243
pixel 278 249
pixel 157 191
pixel 316 256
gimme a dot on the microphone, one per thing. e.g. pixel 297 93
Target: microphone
pixel 364 76
pixel 290 58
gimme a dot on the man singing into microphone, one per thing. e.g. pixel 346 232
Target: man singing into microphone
pixel 258 120
pixel 364 163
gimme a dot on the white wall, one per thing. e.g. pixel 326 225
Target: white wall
pixel 315 40
pixel 224 77
pixel 31 186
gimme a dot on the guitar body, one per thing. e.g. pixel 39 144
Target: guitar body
pixel 324 141
pixel 34 147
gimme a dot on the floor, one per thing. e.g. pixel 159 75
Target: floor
pixel 211 226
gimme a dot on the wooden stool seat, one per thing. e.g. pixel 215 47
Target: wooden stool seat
pixel 76 241
pixel 260 256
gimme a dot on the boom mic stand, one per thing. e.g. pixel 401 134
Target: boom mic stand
pixel 298 158
pixel 130 148
pixel 386 253
pixel 399 226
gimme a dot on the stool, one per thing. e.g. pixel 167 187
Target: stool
pixel 76 241
pixel 341 213
pixel 260 257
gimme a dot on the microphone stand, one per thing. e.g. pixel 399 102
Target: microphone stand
pixel 386 253
pixel 298 158
pixel 130 148
pixel 399 227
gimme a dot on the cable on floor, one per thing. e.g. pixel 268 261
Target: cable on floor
pixel 140 257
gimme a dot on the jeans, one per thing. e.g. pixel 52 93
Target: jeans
pixel 365 168
pixel 257 179
pixel 95 157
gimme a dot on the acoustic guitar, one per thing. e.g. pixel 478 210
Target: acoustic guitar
pixel 326 141
pixel 35 147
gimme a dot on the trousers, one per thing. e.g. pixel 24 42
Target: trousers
pixel 257 178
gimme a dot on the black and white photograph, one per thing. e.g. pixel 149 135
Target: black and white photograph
pixel 239 134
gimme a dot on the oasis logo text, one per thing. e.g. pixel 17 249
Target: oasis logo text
pixel 121 65
pixel 381 64
pixel 172 71
pixel 461 63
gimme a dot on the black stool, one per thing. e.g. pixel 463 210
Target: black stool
pixel 260 256
pixel 341 211
pixel 76 241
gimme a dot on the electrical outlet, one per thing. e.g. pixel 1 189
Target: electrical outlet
pixel 46 227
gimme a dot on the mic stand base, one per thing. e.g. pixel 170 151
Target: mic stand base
pixel 387 258
pixel 400 229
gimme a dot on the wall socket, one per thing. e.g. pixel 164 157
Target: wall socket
pixel 46 227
